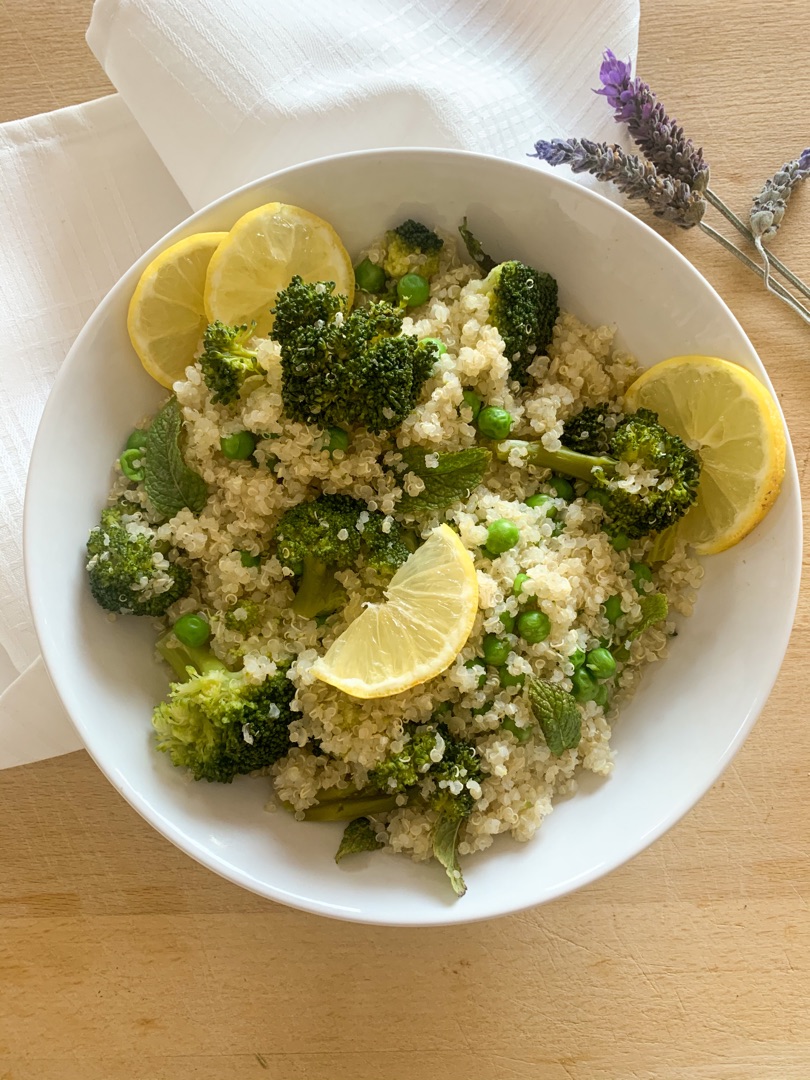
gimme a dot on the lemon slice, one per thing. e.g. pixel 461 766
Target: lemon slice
pixel 263 251
pixel 417 632
pixel 731 419
pixel 166 317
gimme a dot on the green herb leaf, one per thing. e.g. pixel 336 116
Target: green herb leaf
pixel 445 848
pixel 457 473
pixel 475 248
pixel 359 835
pixel 170 483
pixel 654 609
pixel 557 713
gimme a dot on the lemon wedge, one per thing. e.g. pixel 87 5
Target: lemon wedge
pixel 732 420
pixel 166 317
pixel 263 251
pixel 417 632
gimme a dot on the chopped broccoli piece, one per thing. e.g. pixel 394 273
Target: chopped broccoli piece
pixel 340 369
pixel 457 764
pixel 412 248
pixel 129 569
pixel 244 617
pixel 523 305
pixel 317 538
pixel 476 249
pixel 226 362
pixel 214 722
pixel 640 439
pixel 587 431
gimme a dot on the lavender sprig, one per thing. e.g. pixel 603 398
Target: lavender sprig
pixel 670 199
pixel 770 204
pixel 660 138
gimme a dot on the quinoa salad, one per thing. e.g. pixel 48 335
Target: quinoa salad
pixel 292 477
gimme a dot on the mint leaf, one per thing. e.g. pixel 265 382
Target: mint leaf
pixel 654 609
pixel 457 473
pixel 359 835
pixel 169 482
pixel 557 713
pixel 663 546
pixel 445 848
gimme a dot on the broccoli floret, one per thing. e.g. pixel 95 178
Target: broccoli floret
pixel 413 248
pixel 129 569
pixel 523 305
pixel 244 617
pixel 637 439
pixel 226 362
pixel 587 431
pixel 214 722
pixel 340 369
pixel 446 762
pixel 314 539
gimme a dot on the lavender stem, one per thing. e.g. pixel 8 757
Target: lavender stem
pixel 777 289
pixel 770 259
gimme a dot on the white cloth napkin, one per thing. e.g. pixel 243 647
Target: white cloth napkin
pixel 212 94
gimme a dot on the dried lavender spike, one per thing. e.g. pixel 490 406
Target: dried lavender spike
pixel 659 137
pixel 770 204
pixel 669 198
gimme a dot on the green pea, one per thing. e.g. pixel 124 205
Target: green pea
pixel 641 573
pixel 563 488
pixel 247 559
pixel 128 467
pixel 496 650
pixel 584 686
pixel 601 695
pixel 472 401
pixel 494 423
pixel 477 663
pixel 577 657
pixel 483 709
pixel 600 663
pixel 137 440
pixel 441 348
pixel 620 542
pixel 413 290
pixel 522 734
pixel 537 502
pixel 622 654
pixel 506 677
pixel 192 630
pixel 613 609
pixel 369 276
pixel 502 535
pixel 443 708
pixel 338 439
pixel 239 446
pixel 507 621
pixel 518 583
pixel 533 626
pixel 595 495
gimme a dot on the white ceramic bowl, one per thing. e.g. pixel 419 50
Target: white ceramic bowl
pixel 680 731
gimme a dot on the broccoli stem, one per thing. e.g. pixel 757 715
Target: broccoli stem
pixel 182 657
pixel 348 805
pixel 570 462
pixel 318 593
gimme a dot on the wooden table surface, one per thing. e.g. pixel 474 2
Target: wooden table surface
pixel 121 959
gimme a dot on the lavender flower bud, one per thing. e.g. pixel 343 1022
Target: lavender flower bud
pixel 669 198
pixel 659 137
pixel 770 204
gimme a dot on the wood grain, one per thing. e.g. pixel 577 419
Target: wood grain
pixel 121 959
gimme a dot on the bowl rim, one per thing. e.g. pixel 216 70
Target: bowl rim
pixel 49 645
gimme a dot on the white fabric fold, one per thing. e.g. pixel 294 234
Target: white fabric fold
pixel 212 94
